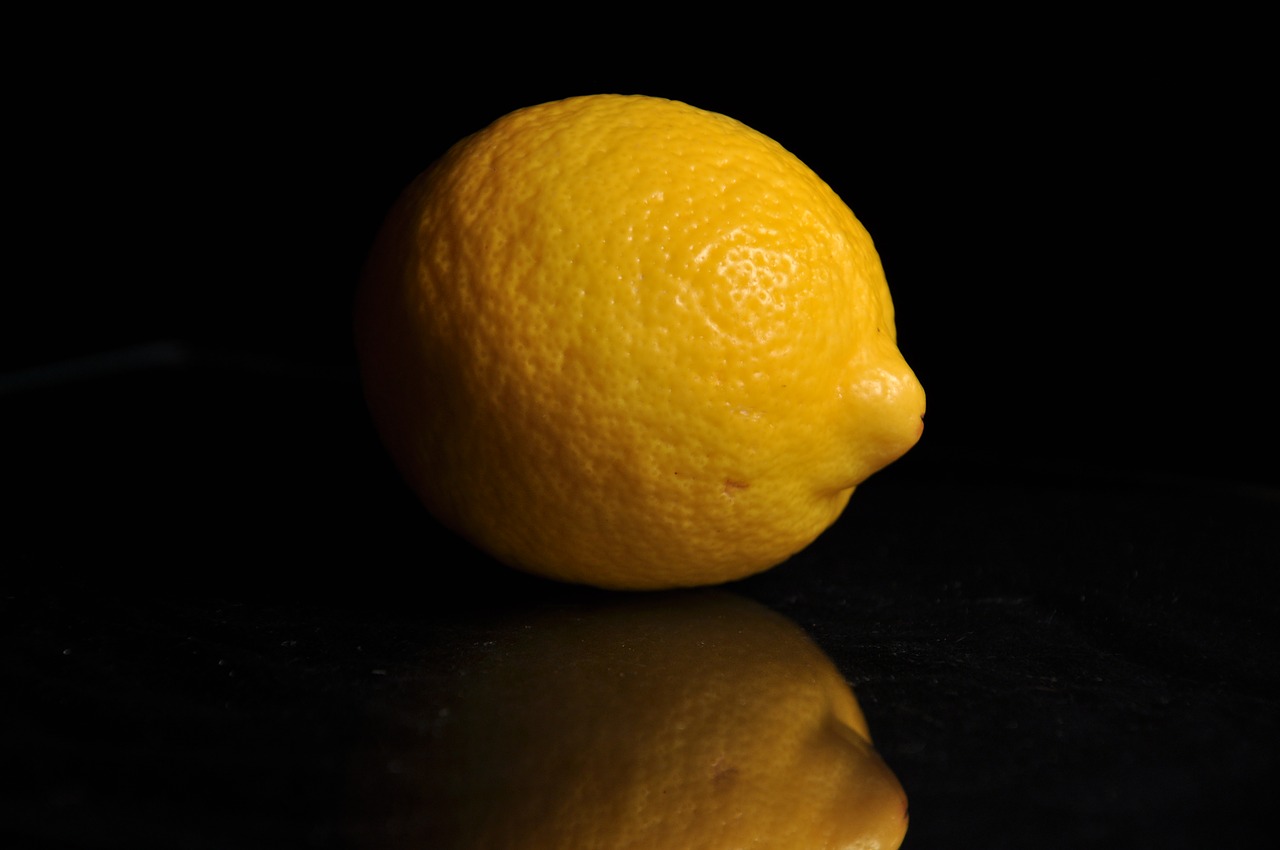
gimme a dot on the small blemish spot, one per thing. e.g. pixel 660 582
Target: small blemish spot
pixel 722 774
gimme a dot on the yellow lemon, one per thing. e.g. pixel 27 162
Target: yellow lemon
pixel 697 720
pixel 622 341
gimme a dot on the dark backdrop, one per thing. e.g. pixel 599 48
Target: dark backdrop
pixel 1072 234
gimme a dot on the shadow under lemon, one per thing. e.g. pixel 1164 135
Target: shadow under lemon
pixel 683 719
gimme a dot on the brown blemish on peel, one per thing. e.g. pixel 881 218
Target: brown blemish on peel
pixel 722 775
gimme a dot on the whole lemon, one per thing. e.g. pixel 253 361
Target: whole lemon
pixel 700 720
pixel 622 341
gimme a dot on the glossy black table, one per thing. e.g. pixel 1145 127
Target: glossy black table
pixel 215 590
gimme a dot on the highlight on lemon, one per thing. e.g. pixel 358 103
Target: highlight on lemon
pixel 622 341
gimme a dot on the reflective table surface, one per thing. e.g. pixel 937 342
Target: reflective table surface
pixel 227 624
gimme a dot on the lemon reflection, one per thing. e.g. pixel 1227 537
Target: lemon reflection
pixel 695 719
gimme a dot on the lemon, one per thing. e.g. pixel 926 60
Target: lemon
pixel 696 719
pixel 622 341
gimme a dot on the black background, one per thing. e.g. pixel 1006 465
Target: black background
pixel 1073 226
pixel 1073 231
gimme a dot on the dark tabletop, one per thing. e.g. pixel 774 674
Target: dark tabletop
pixel 202 622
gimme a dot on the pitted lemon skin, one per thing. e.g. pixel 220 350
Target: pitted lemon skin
pixel 622 341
